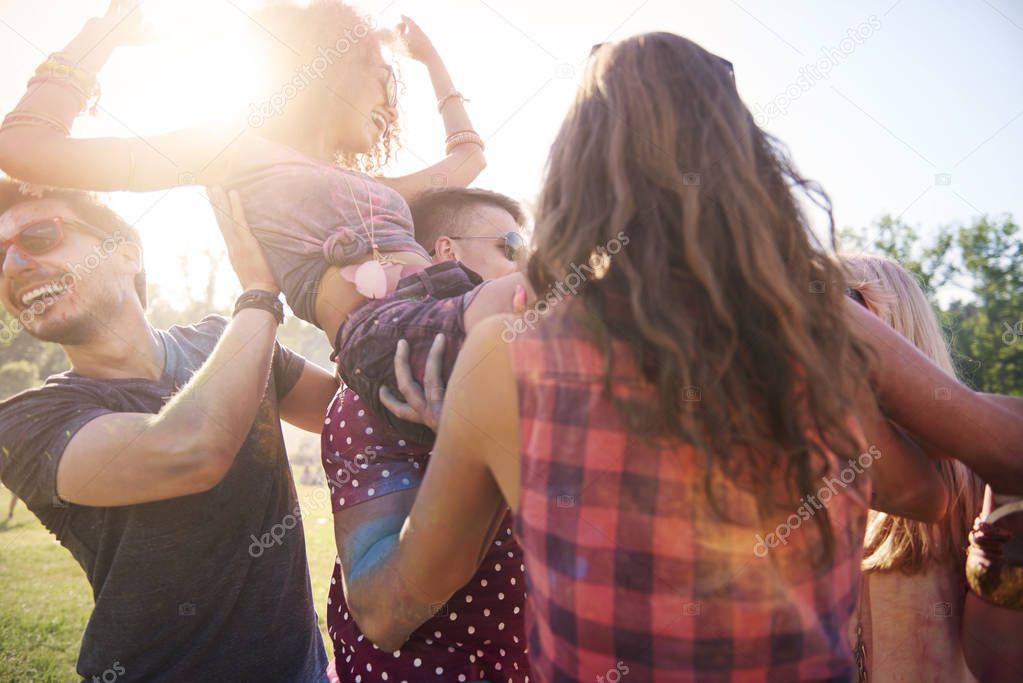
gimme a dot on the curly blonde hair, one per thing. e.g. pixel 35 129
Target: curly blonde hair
pixel 296 36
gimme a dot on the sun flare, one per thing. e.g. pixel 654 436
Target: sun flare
pixel 204 65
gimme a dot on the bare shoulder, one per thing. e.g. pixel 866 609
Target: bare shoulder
pixel 495 297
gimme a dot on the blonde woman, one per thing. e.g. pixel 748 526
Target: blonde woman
pixel 914 590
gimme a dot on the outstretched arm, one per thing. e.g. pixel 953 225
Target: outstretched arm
pixel 36 145
pixel 984 431
pixel 463 162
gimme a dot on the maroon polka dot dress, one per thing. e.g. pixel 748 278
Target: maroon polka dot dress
pixel 479 634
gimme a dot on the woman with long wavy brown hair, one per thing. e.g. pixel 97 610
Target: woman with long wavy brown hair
pixel 687 428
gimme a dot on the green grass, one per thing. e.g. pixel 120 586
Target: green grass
pixel 45 599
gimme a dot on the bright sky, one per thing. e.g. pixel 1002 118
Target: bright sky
pixel 908 107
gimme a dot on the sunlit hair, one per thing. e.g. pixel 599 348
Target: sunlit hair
pixel 294 37
pixel 893 294
pixel 722 286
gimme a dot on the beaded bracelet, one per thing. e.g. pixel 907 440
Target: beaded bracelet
pixel 59 69
pixel 81 78
pixel 59 63
pixel 461 138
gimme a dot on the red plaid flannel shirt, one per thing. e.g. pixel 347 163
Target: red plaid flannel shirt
pixel 630 574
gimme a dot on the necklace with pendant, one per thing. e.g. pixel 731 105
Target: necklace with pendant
pixel 370 277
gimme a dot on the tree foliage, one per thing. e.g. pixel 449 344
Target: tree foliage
pixel 976 272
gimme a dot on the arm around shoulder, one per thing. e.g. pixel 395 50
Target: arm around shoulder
pixel 984 431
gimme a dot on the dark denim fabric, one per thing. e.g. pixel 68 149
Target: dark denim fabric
pixel 425 304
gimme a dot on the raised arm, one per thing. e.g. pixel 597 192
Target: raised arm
pixel 305 405
pixel 187 447
pixel 35 141
pixel 984 431
pixel 463 162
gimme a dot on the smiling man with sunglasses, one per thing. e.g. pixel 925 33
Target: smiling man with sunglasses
pixel 36 295
pixel 158 459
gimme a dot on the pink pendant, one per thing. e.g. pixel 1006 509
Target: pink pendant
pixel 371 280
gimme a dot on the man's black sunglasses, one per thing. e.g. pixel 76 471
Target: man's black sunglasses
pixel 514 244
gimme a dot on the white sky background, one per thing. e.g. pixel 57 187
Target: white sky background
pixel 935 89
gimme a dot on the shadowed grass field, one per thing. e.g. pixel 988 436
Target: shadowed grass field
pixel 45 599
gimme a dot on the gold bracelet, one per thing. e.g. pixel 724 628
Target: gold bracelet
pixel 451 95
pixel 83 78
pixel 11 123
pixel 43 117
pixel 461 132
pixel 64 64
pixel 461 138
pixel 21 117
pixel 14 124
pixel 59 63
pixel 59 67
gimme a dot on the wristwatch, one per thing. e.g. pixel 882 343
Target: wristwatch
pixel 262 299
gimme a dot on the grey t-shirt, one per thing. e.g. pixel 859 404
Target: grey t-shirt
pixel 208 587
